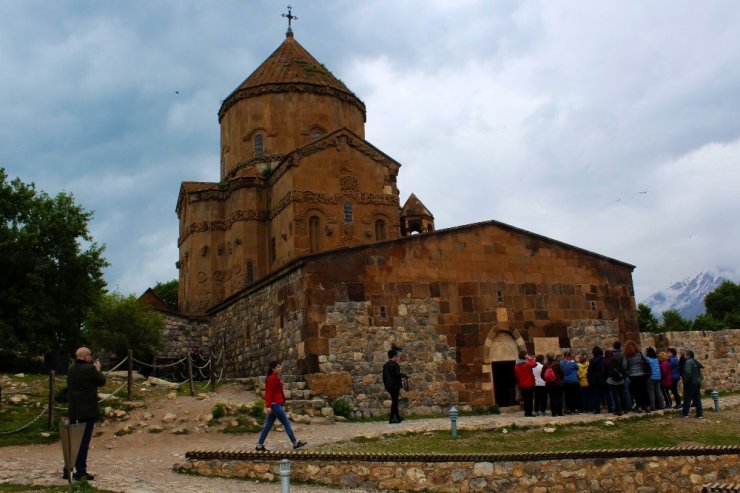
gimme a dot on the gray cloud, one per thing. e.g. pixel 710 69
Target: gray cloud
pixel 551 116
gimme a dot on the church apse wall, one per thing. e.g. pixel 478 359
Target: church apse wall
pixel 458 302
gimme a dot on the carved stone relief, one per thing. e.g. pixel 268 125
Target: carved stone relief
pixel 348 183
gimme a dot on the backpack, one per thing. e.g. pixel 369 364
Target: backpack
pixel 549 375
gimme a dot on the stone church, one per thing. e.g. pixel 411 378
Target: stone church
pixel 302 252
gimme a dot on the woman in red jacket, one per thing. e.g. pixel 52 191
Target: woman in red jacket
pixel 525 380
pixel 274 401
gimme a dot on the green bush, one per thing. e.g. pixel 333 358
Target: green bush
pixel 342 407
pixel 219 410
pixel 258 409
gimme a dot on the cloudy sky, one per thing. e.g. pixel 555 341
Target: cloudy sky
pixel 611 125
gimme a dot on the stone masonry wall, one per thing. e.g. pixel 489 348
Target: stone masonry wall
pixel 718 351
pixel 266 325
pixel 623 475
pixel 585 334
pixel 360 349
pixel 183 335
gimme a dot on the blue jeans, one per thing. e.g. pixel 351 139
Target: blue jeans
pixel 278 412
pixel 81 462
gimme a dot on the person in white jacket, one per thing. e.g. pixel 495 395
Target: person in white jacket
pixel 540 392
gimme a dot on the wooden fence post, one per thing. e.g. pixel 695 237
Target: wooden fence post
pixel 52 374
pixel 190 374
pixel 130 372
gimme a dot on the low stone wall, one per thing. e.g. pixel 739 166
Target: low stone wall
pixel 653 474
pixel 718 351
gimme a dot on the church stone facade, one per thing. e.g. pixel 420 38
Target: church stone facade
pixel 302 252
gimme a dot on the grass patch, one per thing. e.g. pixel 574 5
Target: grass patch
pixel 644 431
pixel 244 425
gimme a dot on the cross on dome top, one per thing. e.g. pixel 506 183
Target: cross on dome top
pixel 290 17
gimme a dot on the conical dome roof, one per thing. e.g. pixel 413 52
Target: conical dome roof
pixel 291 68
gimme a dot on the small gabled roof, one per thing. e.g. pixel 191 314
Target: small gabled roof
pixel 414 207
pixel 152 299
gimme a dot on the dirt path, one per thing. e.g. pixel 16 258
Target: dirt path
pixel 142 461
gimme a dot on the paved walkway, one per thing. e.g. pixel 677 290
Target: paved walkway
pixel 142 462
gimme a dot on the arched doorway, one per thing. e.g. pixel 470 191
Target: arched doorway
pixel 502 351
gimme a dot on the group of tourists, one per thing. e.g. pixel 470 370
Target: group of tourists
pixel 616 380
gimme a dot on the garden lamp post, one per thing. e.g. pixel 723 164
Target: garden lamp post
pixel 453 420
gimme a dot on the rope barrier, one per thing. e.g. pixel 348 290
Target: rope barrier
pixel 24 426
pixel 204 365
pixel 159 366
pixel 114 392
pixel 119 364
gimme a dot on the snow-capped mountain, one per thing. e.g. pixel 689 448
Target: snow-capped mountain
pixel 687 296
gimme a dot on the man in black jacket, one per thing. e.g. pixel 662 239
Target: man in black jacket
pixel 392 381
pixel 83 379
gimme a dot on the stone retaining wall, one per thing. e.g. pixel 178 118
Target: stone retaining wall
pixel 623 475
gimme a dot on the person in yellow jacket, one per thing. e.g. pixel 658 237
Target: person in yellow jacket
pixel 583 382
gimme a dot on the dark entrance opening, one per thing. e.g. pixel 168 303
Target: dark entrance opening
pixel 504 383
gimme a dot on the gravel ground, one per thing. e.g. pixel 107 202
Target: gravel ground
pixel 142 461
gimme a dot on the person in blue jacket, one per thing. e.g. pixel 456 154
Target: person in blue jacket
pixel 571 385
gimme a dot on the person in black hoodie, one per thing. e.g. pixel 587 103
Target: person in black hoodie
pixel 392 380
pixel 596 379
pixel 83 379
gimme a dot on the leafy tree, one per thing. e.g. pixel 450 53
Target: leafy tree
pixel 723 304
pixel 51 268
pixel 167 292
pixel 674 322
pixel 707 322
pixel 118 323
pixel 645 319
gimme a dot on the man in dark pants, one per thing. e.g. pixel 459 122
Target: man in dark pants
pixel 392 381
pixel 692 386
pixel 83 379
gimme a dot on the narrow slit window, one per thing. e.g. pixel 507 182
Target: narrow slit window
pixel 313 234
pixel 348 212
pixel 259 145
pixel 500 296
pixel 380 233
pixel 250 273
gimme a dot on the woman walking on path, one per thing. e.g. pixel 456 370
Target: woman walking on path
pixel 274 401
